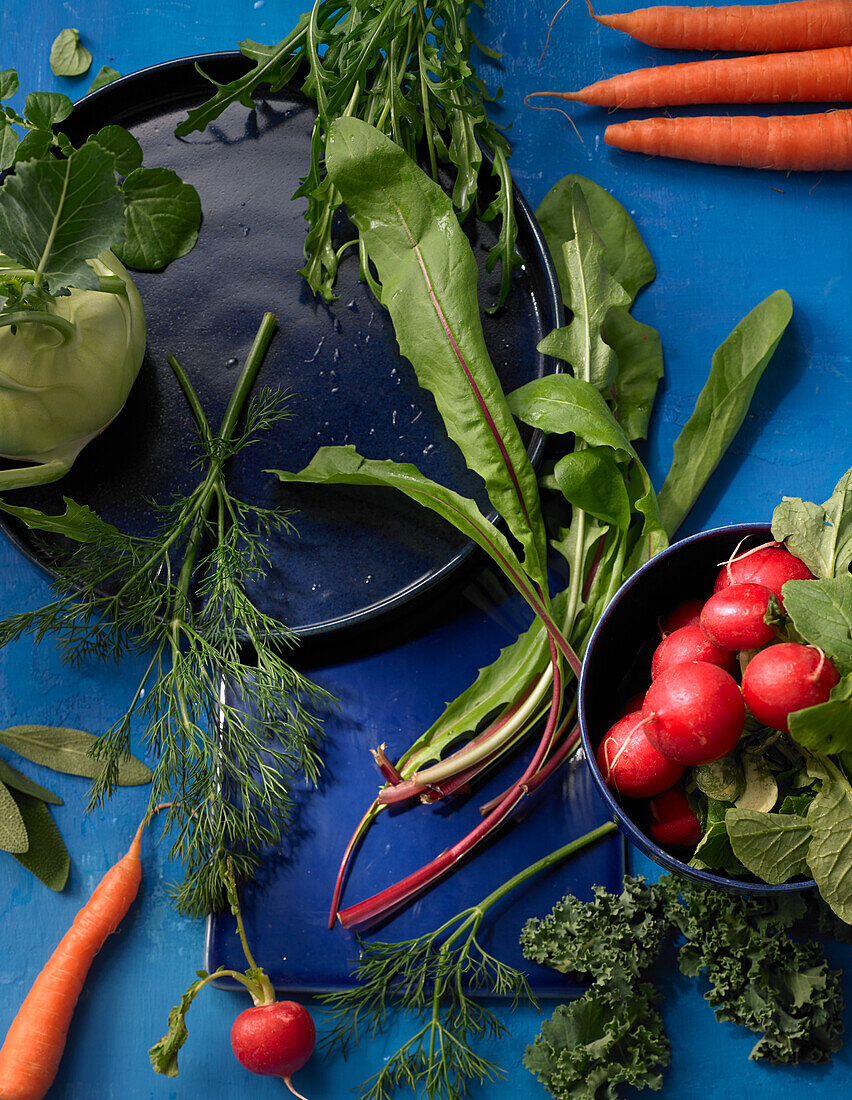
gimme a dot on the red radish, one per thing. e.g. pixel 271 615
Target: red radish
pixel 784 678
pixel 733 618
pixel 633 704
pixel 274 1040
pixel 689 644
pixel 695 713
pixel 686 614
pixel 772 565
pixel 630 764
pixel 673 820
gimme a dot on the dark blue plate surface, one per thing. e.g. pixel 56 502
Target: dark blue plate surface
pixel 359 554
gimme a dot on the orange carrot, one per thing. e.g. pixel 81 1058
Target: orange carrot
pixel 30 1056
pixel 810 76
pixel 818 142
pixel 768 28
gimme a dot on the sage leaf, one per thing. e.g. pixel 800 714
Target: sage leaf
pixel 822 614
pixel 428 279
pixel 45 109
pixel 47 857
pixel 122 144
pixel 8 83
pixel 827 727
pixel 590 479
pixel 819 534
pixel 57 214
pixel 624 253
pixel 560 403
pixel 13 831
pixel 639 352
pixel 830 850
pixel 593 292
pixel 20 782
pixel 163 218
pixel 68 56
pixel 105 75
pixel 774 847
pixel 67 750
pixel 721 406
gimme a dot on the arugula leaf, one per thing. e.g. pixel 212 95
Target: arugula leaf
pixel 57 214
pixel 819 534
pixel 105 75
pixel 822 614
pixel 502 207
pixel 720 409
pixel 826 727
pixel 624 253
pixel 163 218
pixel 46 857
pixel 428 276
pixel 774 847
pixel 68 57
pixel 78 522
pixel 830 851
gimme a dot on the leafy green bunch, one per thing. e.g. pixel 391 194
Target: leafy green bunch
pixel 760 977
pixel 406 69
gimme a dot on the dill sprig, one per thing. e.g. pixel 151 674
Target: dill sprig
pixel 230 724
pixel 437 978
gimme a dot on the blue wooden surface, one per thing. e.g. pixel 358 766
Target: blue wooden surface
pixel 722 240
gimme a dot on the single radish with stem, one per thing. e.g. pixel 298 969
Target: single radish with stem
pixel 630 764
pixel 770 564
pixel 689 643
pixel 694 713
pixel 735 617
pixel 784 678
pixel 272 1038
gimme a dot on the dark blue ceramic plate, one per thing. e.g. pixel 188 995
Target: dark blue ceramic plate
pixel 391 697
pixel 618 658
pixel 360 555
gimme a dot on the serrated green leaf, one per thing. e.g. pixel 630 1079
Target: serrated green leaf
pixel 45 109
pixel 105 75
pixel 822 614
pixel 13 831
pixel 121 143
pixel 830 851
pixel 67 750
pixel 47 857
pixel 819 534
pixel 827 727
pixel 163 217
pixel 57 214
pixel 19 782
pixel 8 83
pixel 68 56
pixel 78 522
pixel 774 847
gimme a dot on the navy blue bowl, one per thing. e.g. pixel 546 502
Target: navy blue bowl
pixel 617 666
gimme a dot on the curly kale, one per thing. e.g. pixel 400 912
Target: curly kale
pixel 760 977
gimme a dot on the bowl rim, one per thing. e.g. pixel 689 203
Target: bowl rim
pixel 642 841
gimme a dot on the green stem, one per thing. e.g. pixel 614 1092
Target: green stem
pixel 190 395
pixel 66 328
pixel 248 374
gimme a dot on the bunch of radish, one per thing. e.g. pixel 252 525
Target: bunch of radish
pixel 719 661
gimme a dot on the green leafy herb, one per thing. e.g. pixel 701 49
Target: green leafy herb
pixel 68 56
pixel 20 782
pixel 819 534
pixel 13 831
pixel 773 846
pixel 158 197
pixel 830 850
pixel 46 856
pixel 105 75
pixel 822 614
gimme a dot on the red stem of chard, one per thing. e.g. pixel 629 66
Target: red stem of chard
pixel 394 896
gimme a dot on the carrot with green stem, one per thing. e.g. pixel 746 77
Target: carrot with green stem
pixel 761 28
pixel 807 76
pixel 814 142
pixel 32 1051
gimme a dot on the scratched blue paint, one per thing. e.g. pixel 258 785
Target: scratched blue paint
pixel 722 240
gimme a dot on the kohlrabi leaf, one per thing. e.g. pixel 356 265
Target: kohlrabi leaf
pixel 593 292
pixel 428 276
pixel 560 403
pixel 624 253
pixel 45 109
pixel 20 782
pixel 827 727
pixel 56 214
pixel 46 857
pixel 105 75
pixel 722 405
pixel 123 145
pixel 34 145
pixel 774 847
pixel 819 534
pixel 163 217
pixel 822 614
pixel 590 479
pixel 68 751
pixel 68 56
pixel 8 83
pixel 830 851
pixel 639 352
pixel 9 142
